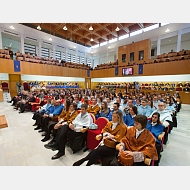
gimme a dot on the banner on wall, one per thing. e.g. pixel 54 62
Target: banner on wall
pixel 140 69
pixel 16 66
pixel 88 73
pixel 116 71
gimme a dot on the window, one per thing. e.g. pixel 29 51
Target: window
pixel 151 27
pixel 58 55
pixel 68 57
pixel 78 59
pixel 123 58
pixel 30 49
pixel 82 60
pixel 88 61
pixel 64 56
pixel 136 32
pixel 45 52
pixel 141 55
pixel 132 56
pixel 74 60
pixel 103 43
pixel 124 36
pixel 163 24
pixel 152 52
pixel 113 40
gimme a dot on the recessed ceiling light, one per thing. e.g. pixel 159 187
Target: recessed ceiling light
pixel 64 28
pixel 12 27
pixel 169 40
pixel 90 28
pixel 91 39
pixel 167 30
pixel 117 29
pixel 50 39
pixel 39 28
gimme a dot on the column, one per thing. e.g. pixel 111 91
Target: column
pixel 1 42
pixel 107 56
pixel 22 43
pixel 179 41
pixel 61 55
pixel 92 62
pixel 158 45
pixel 116 54
pixel 99 58
pixel 53 51
pixel 40 45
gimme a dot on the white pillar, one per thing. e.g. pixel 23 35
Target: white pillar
pixel 158 45
pixel 107 56
pixel 53 51
pixel 1 42
pixel 40 45
pixel 99 58
pixel 92 63
pixel 61 55
pixel 179 41
pixel 22 43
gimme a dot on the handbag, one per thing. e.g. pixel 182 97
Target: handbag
pixel 93 126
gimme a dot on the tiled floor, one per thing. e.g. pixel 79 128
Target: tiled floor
pixel 20 145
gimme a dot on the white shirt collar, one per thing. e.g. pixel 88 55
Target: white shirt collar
pixel 72 112
pixel 114 125
pixel 138 132
pixel 133 116
pixel 153 124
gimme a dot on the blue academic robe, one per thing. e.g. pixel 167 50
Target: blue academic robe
pixel 129 121
pixel 110 115
pixel 58 110
pixel 102 114
pixel 155 130
pixel 144 111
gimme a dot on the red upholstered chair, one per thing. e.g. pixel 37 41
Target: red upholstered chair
pixel 5 86
pixel 25 85
pixel 92 143
pixel 36 104
pixel 179 89
pixel 143 88
pixel 78 111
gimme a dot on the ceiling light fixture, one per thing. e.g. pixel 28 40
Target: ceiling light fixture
pixel 91 39
pixel 12 27
pixel 90 28
pixel 167 30
pixel 65 28
pixel 39 28
pixel 50 39
pixel 117 29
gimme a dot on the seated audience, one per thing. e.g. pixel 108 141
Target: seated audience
pixel 136 145
pixel 115 108
pixel 129 105
pixel 129 119
pixel 109 103
pixel 144 109
pixel 78 102
pixel 150 103
pixel 110 136
pixel 70 131
pixel 155 101
pixel 104 111
pixel 156 128
pixel 94 108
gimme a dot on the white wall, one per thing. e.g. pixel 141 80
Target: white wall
pixel 185 45
pixel 158 78
pixel 167 48
pixel 50 78
pixel 4 76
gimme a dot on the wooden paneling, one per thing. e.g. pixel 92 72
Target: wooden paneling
pixel 1 95
pixel 135 47
pixel 87 80
pixel 13 79
pixel 3 122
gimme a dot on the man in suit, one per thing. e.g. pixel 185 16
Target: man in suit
pixel 71 131
pixel 25 104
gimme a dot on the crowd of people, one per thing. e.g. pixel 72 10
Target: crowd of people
pixel 135 121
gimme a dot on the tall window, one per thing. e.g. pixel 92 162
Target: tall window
pixel 123 58
pixel 58 55
pixel 141 55
pixel 45 52
pixel 68 57
pixel 64 56
pixel 82 60
pixel 78 59
pixel 29 49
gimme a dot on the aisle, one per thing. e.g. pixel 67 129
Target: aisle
pixel 20 145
